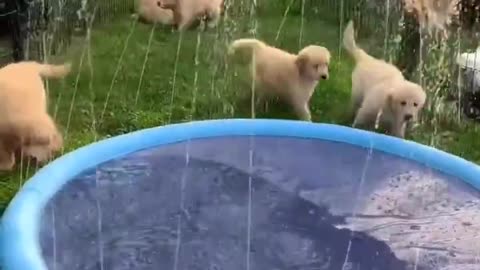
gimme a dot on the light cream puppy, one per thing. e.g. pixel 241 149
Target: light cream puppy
pixel 150 11
pixel 186 12
pixel 291 77
pixel 380 93
pixel 25 124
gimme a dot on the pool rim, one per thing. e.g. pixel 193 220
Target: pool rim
pixel 19 232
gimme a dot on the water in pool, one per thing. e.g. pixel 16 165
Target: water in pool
pixel 262 203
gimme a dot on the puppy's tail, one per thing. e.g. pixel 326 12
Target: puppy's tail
pixel 350 45
pixel 53 71
pixel 245 43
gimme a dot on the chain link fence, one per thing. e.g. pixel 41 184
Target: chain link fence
pixel 43 27
pixel 33 29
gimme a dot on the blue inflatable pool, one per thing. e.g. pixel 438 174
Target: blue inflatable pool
pixel 247 194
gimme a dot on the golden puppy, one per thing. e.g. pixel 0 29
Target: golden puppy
pixel 433 14
pixel 291 77
pixel 150 11
pixel 186 12
pixel 380 93
pixel 25 124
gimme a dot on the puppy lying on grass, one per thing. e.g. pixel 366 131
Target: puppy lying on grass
pixel 291 77
pixel 25 125
pixel 187 12
pixel 150 11
pixel 380 93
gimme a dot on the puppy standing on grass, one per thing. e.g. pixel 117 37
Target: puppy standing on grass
pixel 380 93
pixel 291 77
pixel 25 124
pixel 186 12
pixel 150 11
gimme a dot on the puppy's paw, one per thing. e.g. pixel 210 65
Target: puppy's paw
pixel 306 118
pixel 134 16
pixel 211 25
pixel 231 50
pixel 6 167
pixel 7 162
pixel 212 22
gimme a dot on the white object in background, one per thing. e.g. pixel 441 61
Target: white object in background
pixel 471 62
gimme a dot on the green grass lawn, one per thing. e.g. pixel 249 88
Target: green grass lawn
pixel 107 94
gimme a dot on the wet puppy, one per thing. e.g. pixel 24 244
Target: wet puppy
pixel 433 14
pixel 380 93
pixel 187 12
pixel 25 124
pixel 150 11
pixel 291 77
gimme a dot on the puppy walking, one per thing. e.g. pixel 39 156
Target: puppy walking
pixel 291 77
pixel 150 11
pixel 380 93
pixel 25 124
pixel 186 12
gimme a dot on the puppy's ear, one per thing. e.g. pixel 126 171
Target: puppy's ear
pixel 40 133
pixel 301 62
pixel 35 139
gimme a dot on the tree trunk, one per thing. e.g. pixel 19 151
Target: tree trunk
pixel 408 56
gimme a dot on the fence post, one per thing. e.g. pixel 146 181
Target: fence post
pixel 15 25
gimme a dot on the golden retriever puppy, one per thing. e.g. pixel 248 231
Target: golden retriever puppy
pixel 380 93
pixel 25 124
pixel 187 12
pixel 291 77
pixel 150 11
pixel 433 14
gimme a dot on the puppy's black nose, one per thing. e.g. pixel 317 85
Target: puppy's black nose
pixel 324 77
pixel 408 117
